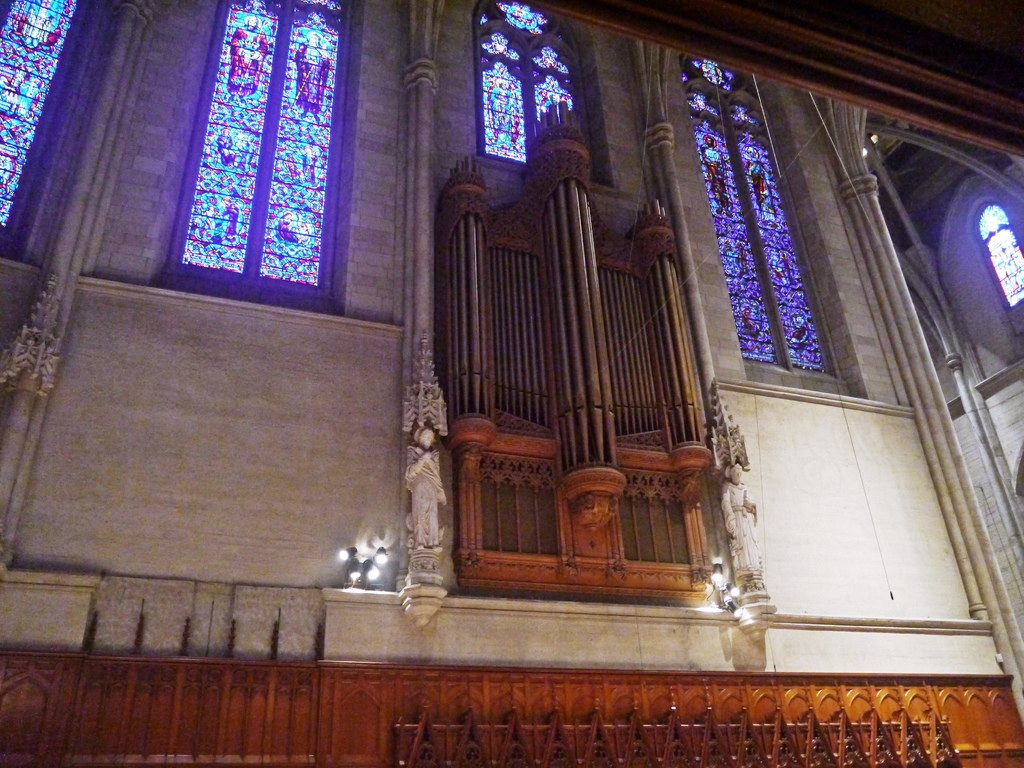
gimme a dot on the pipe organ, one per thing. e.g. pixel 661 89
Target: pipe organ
pixel 577 428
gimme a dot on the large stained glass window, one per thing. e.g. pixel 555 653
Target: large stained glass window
pixel 31 42
pixel 769 301
pixel 1004 252
pixel 261 190
pixel 514 94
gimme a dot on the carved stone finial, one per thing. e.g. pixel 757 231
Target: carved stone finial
pixel 424 400
pixel 729 445
pixel 30 360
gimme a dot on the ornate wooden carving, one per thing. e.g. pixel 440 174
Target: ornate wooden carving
pixel 71 710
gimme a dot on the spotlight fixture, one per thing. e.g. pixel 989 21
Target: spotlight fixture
pixel 722 594
pixel 361 574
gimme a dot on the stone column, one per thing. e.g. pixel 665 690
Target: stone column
pixel 420 87
pixel 979 570
pixel 76 246
pixel 651 64
pixel 922 277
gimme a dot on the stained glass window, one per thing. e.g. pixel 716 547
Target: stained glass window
pixel 498 46
pixel 504 128
pixel 548 59
pixel 1004 252
pixel 762 274
pixel 30 46
pixel 550 92
pixel 783 272
pixel 513 94
pixel 748 305
pixel 714 74
pixel 239 223
pixel 523 17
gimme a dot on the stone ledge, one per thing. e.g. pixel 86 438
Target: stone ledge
pixel 816 398
pixel 98 286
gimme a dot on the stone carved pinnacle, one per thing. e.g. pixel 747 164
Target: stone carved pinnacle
pixel 424 401
pixel 729 444
pixel 30 361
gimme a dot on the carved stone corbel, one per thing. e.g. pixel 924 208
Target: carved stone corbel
pixel 29 362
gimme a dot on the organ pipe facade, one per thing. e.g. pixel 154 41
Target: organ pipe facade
pixel 577 431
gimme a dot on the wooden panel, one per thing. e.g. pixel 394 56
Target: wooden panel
pixel 35 707
pixel 131 711
pixel 196 712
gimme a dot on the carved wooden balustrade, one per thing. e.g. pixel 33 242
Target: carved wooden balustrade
pixel 77 710
pixel 565 350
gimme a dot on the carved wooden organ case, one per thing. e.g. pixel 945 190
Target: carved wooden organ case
pixel 576 424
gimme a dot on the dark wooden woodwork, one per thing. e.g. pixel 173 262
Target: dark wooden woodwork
pixel 954 77
pixel 76 710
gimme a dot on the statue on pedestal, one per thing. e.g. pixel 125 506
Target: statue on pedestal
pixel 423 479
pixel 741 522
pixel 425 417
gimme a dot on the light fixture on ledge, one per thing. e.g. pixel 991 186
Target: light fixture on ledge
pixel 722 594
pixel 362 574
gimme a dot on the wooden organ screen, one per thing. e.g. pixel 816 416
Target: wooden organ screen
pixel 576 424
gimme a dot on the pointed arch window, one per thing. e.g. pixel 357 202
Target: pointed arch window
pixel 525 65
pixel 1004 252
pixel 766 289
pixel 260 207
pixel 32 37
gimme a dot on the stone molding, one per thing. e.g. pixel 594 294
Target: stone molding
pixel 100 287
pixel 816 398
pixel 997 382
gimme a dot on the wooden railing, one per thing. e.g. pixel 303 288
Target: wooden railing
pixel 78 710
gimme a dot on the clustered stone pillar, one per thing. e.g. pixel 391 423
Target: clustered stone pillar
pixel 979 570
pixel 423 590
pixel 75 250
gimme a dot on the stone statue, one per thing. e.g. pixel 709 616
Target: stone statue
pixel 423 479
pixel 741 522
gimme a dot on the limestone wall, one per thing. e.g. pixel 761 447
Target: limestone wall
pixel 213 440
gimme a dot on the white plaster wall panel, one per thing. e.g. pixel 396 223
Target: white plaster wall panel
pixel 817 471
pixel 45 611
pixel 18 284
pixel 213 440
pixel 527 633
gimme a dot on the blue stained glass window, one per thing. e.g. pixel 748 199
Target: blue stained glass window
pixel 549 92
pixel 714 74
pixel 498 46
pixel 741 114
pixel 30 45
pixel 783 271
pixel 295 217
pixel 523 17
pixel 504 118
pixel 748 306
pixel 699 103
pixel 548 59
pixel 222 209
pixel 331 5
pixel 1004 252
